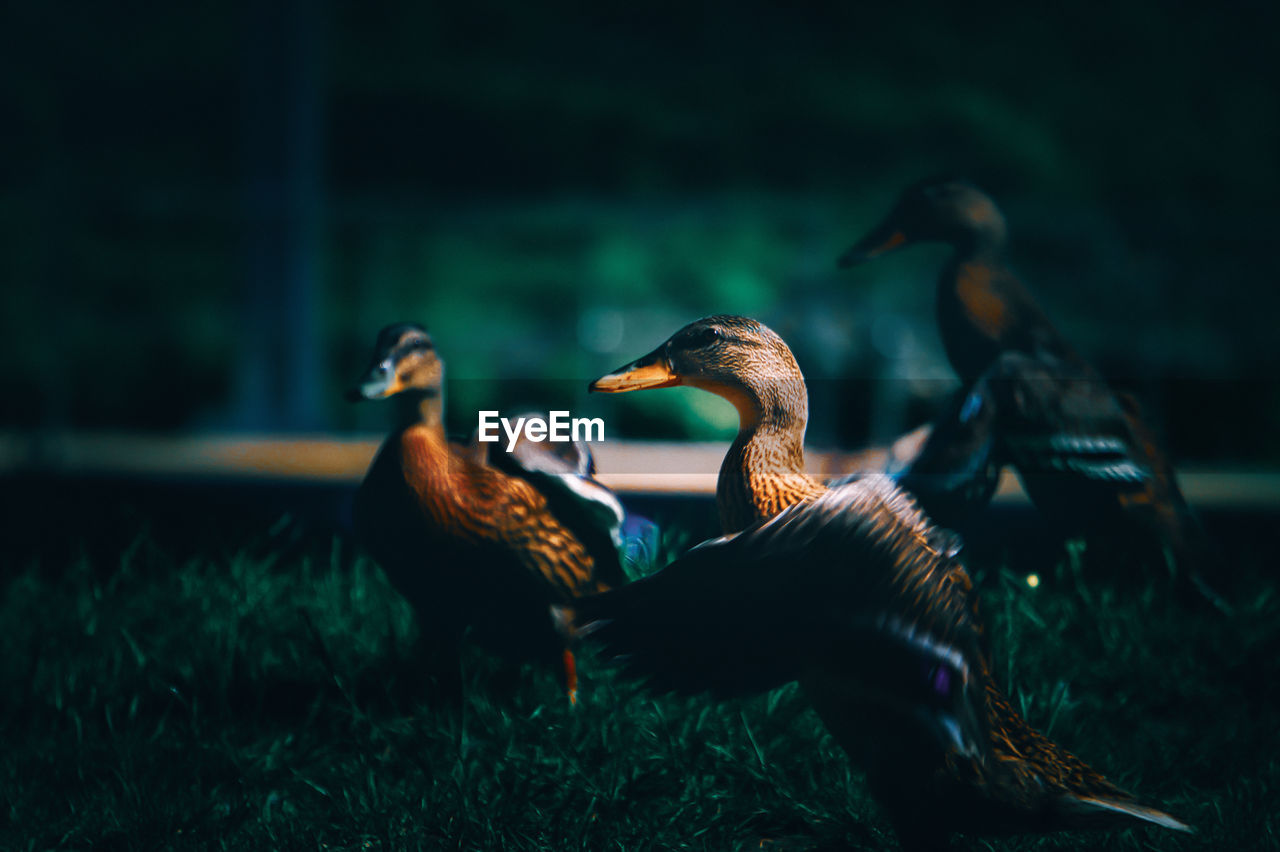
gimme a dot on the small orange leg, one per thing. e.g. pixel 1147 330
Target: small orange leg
pixel 571 675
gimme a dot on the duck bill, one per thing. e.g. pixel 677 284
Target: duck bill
pixel 376 384
pixel 882 240
pixel 651 371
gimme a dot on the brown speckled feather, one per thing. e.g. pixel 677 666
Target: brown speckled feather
pixel 484 506
pixel 759 477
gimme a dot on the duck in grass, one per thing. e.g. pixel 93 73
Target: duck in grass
pixel 476 549
pixel 1087 455
pixel 856 595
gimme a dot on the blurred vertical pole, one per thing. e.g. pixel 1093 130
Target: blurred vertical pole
pixel 278 380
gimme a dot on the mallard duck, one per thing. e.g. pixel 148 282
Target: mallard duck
pixel 855 594
pixel 1086 455
pixel 983 308
pixel 471 546
pixel 746 363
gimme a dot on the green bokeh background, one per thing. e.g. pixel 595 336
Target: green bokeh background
pixel 209 209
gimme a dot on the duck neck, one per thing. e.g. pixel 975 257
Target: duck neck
pixel 973 299
pixel 984 240
pixel 775 425
pixel 420 408
pixel 767 452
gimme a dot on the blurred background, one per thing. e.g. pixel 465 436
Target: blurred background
pixel 211 208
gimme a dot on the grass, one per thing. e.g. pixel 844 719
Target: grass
pixel 257 700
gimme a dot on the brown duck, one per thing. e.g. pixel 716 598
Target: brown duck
pixel 1086 454
pixel 853 593
pixel 746 363
pixel 473 548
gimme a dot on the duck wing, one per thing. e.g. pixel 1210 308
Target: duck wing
pixel 562 473
pixel 856 581
pixel 1065 425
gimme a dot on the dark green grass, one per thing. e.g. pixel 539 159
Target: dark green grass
pixel 266 702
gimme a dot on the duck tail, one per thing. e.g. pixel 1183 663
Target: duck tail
pixel 1107 810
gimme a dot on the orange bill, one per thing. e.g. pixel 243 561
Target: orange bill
pixel 651 371
pixel 880 241
pixel 380 382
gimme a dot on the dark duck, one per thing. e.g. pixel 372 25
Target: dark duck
pixel 1086 454
pixel 852 592
pixel 475 548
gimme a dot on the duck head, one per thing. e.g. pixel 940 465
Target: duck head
pixel 404 362
pixel 733 357
pixel 947 211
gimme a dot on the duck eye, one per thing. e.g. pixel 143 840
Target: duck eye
pixel 703 337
